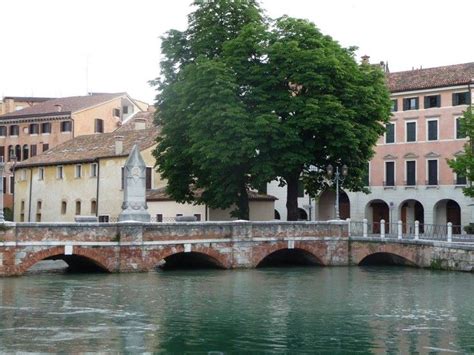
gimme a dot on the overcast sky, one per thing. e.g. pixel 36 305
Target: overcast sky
pixel 64 48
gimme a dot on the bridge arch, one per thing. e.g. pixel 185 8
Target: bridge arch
pixel 84 255
pixel 386 254
pixel 311 254
pixel 201 253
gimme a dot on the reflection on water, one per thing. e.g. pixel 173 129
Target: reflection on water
pixel 370 309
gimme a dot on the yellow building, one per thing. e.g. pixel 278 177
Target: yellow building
pixel 83 176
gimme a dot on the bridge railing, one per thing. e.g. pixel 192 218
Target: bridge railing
pixel 410 231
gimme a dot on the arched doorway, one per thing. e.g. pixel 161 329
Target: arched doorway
pixel 277 215
pixel 327 203
pixel 375 211
pixel 410 211
pixel 302 215
pixel 448 210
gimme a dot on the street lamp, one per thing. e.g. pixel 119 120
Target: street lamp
pixel 338 178
pixel 2 171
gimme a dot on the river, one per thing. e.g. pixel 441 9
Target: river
pixel 275 310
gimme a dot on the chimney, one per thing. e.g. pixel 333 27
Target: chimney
pixel 365 59
pixel 118 145
pixel 59 107
pixel 140 123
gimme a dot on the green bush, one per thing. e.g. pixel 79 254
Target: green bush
pixel 469 229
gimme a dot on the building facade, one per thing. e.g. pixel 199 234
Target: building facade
pixel 409 178
pixel 32 130
pixel 84 177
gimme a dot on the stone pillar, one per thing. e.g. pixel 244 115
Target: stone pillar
pixel 134 207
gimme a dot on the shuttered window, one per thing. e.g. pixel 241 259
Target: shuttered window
pixel 459 132
pixel 461 180
pixel 433 130
pixel 394 107
pixel 411 131
pixel 432 172
pixel 461 98
pixel 390 133
pixel 389 173
pixel 432 101
pixel 410 103
pixel 411 172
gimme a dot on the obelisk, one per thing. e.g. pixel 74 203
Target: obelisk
pixel 134 207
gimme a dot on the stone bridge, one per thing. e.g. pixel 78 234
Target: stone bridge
pixel 138 247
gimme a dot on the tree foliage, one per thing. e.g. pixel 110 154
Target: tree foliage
pixel 463 165
pixel 243 101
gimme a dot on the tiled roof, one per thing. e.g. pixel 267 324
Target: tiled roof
pixel 161 195
pixel 89 148
pixel 147 116
pixel 27 98
pixel 451 75
pixel 68 104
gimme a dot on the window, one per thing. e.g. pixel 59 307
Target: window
pixel 94 170
pixel 12 185
pixel 45 147
pixel 159 218
pixel 26 151
pixel 4 185
pixel 116 112
pixel 33 150
pixel 389 173
pixel 411 173
pixel 394 107
pixel 46 128
pixel 460 134
pixel 59 172
pixel 390 133
pixel 14 130
pixel 63 207
pixel 2 153
pixel 34 128
pixel 104 219
pixel 40 173
pixel 410 103
pixel 432 172
pixel 125 110
pixel 432 130
pixel 3 131
pixel 11 152
pixel 39 205
pixel 93 207
pixel 18 152
pixel 78 208
pixel 98 125
pixel 38 217
pixel 411 131
pixel 198 217
pixel 432 101
pixel 78 171
pixel 461 98
pixel 22 206
pixel 66 126
pixel 461 180
pixel 148 178
pixel 300 188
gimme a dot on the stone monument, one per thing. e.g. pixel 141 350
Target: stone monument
pixel 134 207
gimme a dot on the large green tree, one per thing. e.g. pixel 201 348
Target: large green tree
pixel 322 106
pixel 207 142
pixel 463 165
pixel 242 103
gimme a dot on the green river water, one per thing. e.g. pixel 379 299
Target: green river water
pixel 274 310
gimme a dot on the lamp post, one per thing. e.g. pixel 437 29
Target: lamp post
pixel 338 178
pixel 2 171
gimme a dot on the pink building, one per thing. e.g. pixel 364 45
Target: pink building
pixel 409 176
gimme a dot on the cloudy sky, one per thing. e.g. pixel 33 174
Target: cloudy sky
pixel 63 48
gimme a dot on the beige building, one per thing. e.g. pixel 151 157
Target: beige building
pixel 83 176
pixel 15 103
pixel 42 124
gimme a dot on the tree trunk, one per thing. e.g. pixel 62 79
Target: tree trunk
pixel 243 210
pixel 292 197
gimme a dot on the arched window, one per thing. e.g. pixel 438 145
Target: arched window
pixel 78 208
pixel 18 152
pixel 11 152
pixel 93 207
pixel 26 152
pixel 63 207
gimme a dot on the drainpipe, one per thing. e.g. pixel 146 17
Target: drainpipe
pixel 29 198
pixel 97 193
